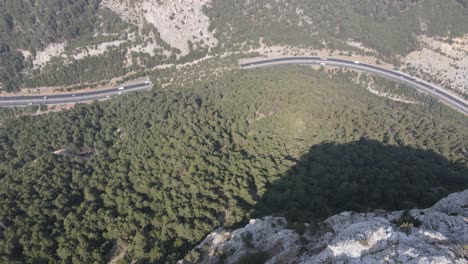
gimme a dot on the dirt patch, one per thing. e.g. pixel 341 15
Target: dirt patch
pixel 44 56
pixel 360 46
pixel 69 153
pixel 118 252
pixel 371 88
pixel 95 51
pixel 53 108
pixel 26 53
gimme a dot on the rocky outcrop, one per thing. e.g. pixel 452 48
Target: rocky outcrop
pixel 178 22
pixel 435 235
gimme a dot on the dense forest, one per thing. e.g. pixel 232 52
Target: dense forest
pixel 389 27
pixel 31 25
pixel 154 172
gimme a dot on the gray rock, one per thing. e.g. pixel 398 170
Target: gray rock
pixel 350 237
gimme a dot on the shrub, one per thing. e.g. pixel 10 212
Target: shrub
pixel 300 228
pixel 407 222
pixel 253 258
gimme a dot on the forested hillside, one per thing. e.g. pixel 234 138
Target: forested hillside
pixel 153 173
pixel 29 27
pixel 32 25
pixel 390 27
pixel 62 43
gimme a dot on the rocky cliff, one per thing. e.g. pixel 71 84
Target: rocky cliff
pixel 435 235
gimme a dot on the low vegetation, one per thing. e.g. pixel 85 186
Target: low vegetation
pixel 407 222
pixel 253 258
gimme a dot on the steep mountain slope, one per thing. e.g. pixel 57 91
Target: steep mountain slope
pixel 91 41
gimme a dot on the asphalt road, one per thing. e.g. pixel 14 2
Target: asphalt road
pixel 428 88
pixel 9 101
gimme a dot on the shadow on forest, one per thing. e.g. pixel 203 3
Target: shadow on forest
pixel 361 176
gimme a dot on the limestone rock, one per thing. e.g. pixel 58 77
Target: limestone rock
pixel 435 235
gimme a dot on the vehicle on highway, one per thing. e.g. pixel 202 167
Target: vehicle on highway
pixel 417 83
pixel 120 93
pixel 57 99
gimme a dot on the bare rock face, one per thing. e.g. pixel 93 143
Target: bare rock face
pixel 435 235
pixel 177 21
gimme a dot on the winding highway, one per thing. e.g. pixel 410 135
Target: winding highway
pixel 55 99
pixel 421 85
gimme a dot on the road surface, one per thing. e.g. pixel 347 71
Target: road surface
pixel 428 88
pixel 9 101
